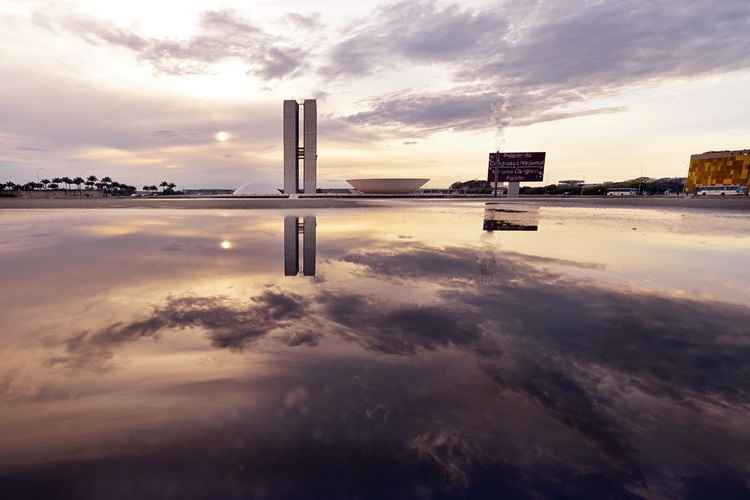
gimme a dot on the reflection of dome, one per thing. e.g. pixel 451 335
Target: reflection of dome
pixel 387 186
pixel 249 188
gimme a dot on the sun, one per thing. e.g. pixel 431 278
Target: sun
pixel 222 136
pixel 226 245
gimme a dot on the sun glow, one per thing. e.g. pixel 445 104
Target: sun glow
pixel 226 245
pixel 222 136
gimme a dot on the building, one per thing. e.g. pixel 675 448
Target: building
pixel 572 183
pixel 719 168
pixel 387 186
pixel 308 152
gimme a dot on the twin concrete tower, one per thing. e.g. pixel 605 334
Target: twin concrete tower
pixel 293 153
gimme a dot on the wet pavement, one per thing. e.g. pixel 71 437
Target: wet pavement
pixel 430 350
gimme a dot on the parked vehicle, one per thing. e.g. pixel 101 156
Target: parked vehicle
pixel 722 190
pixel 622 192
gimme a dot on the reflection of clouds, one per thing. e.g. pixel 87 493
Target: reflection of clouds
pixel 398 330
pixel 664 339
pixel 419 261
pixel 228 325
pixel 550 377
pixel 451 452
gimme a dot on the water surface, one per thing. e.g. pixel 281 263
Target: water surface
pixel 409 350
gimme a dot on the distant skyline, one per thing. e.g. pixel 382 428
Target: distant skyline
pixel 145 91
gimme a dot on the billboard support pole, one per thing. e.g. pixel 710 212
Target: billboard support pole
pixel 495 173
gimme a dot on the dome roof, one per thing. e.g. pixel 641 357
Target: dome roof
pixel 249 188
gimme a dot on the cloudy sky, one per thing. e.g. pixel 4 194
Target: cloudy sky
pixel 144 91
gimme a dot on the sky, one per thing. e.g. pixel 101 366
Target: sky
pixel 191 91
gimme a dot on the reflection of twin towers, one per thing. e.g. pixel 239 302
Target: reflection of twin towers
pixel 292 228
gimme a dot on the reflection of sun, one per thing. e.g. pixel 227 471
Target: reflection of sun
pixel 226 244
pixel 222 136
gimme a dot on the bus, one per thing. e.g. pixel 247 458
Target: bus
pixel 721 190
pixel 622 192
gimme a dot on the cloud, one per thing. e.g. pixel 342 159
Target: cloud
pixel 422 113
pixel 611 44
pixel 517 67
pixel 221 35
pixel 418 31
pixel 308 22
pixel 82 129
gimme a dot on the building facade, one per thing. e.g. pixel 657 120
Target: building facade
pixel 308 152
pixel 310 145
pixel 719 168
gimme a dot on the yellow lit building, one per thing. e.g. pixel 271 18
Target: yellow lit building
pixel 719 168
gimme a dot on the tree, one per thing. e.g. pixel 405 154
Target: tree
pixel 45 182
pixel 92 179
pixel 164 185
pixel 57 181
pixel 78 181
pixel 107 180
pixel 68 181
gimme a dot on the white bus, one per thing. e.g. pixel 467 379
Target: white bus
pixel 721 190
pixel 622 192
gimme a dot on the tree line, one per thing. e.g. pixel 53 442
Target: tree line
pixel 645 185
pixel 91 183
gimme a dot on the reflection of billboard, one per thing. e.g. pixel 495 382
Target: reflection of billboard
pixel 515 167
pixel 501 219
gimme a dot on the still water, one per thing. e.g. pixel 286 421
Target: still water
pixel 399 351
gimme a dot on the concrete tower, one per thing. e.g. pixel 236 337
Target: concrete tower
pixel 291 147
pixel 311 145
pixel 292 150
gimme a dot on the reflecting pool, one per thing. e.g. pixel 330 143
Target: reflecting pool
pixel 405 350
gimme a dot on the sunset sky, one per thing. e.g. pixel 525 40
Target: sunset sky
pixel 192 91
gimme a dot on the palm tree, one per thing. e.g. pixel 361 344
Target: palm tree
pixel 45 182
pixel 68 181
pixel 78 181
pixel 164 185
